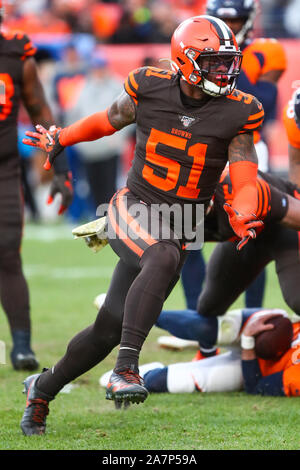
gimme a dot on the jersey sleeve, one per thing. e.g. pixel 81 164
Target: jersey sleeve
pixel 293 132
pixel 19 44
pixel 255 116
pixel 142 81
pixel 272 202
pixel 274 56
pixel 256 384
pixel 132 84
pixel 25 46
pixel 262 56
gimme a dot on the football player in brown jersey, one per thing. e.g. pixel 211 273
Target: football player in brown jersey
pixel 19 82
pixel 264 62
pixel 228 275
pixel 190 123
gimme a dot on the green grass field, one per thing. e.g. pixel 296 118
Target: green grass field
pixel 64 277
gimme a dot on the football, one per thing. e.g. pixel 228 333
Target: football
pixel 272 344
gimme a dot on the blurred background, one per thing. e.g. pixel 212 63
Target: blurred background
pixel 85 50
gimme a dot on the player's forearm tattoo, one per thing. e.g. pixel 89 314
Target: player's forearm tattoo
pixel 242 148
pixel 122 112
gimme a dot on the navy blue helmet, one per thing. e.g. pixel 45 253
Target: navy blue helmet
pixel 229 9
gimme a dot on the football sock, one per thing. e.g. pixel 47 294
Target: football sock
pixel 254 295
pixel 208 352
pixel 94 343
pixel 188 324
pixel 14 293
pixel 246 314
pixel 145 299
pixel 84 351
pixel 156 380
pixel 21 340
pixel 192 277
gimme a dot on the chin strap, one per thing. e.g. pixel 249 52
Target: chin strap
pixel 209 89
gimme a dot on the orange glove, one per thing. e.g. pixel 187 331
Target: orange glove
pixel 243 225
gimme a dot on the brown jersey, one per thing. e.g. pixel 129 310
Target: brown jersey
pixel 14 49
pixel 182 147
pixel 272 204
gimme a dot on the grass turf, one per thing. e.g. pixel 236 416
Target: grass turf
pixel 64 277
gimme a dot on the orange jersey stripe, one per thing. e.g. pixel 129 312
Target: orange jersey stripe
pixel 256 137
pixel 122 234
pixel 266 199
pixel 29 45
pixel 259 199
pixel 253 126
pixel 252 117
pixel 132 80
pixel 133 224
pixel 130 92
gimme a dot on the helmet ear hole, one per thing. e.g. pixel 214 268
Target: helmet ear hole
pixel 180 61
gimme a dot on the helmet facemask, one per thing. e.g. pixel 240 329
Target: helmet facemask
pixel 215 72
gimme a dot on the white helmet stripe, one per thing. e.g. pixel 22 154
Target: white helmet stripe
pixel 223 30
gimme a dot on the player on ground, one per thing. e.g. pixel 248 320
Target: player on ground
pixel 183 145
pixel 19 82
pixel 238 368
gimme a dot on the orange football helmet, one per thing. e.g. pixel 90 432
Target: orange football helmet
pixel 297 107
pixel 205 52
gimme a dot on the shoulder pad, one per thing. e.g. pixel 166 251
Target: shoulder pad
pixel 255 115
pixel 140 76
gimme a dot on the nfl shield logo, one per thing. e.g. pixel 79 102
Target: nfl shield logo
pixel 186 120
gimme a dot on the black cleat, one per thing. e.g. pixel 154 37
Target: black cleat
pixel 36 411
pixel 124 387
pixel 24 360
pixel 22 356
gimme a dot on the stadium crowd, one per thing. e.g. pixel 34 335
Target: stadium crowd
pixel 134 21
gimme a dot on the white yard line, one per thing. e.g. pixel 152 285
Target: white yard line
pixel 74 272
pixel 53 233
pixel 48 234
